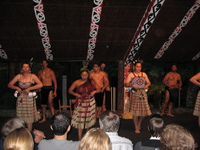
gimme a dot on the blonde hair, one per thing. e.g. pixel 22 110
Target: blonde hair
pixel 175 137
pixel 19 139
pixel 95 139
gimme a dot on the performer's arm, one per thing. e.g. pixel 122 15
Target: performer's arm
pixel 195 79
pixel 128 80
pixel 71 89
pixel 11 84
pixel 54 83
pixel 148 83
pixel 106 81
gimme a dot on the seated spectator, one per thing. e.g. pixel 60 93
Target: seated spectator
pixel 15 123
pixel 175 137
pixel 109 121
pixel 19 139
pixel 60 124
pixel 155 127
pixel 95 139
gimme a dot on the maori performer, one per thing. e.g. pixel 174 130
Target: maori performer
pixel 173 83
pixel 85 107
pixel 49 90
pixel 138 83
pixel 101 79
pixel 26 104
pixel 196 80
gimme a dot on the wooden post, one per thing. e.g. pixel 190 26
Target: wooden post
pixel 120 88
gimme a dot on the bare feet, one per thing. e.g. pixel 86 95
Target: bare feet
pixel 170 115
pixel 162 114
pixel 43 120
pixel 137 131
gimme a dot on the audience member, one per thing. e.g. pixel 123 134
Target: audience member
pixel 60 124
pixel 15 123
pixel 155 126
pixel 175 137
pixel 109 121
pixel 19 139
pixel 95 139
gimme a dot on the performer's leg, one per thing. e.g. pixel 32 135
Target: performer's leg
pixel 50 103
pixel 165 102
pixel 170 109
pixel 80 132
pixel 135 120
pixel 29 126
pixel 141 118
pixel 44 109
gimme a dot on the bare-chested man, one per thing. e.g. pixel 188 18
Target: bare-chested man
pixel 101 79
pixel 173 83
pixel 49 90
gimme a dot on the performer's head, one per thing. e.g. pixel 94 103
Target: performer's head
pixel 156 125
pixel 84 74
pixel 25 67
pixel 96 67
pixel 109 121
pixel 173 68
pixel 44 63
pixel 102 66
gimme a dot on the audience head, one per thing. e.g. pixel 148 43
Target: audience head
pixel 95 139
pixel 109 121
pixel 19 139
pixel 156 125
pixel 175 137
pixel 11 125
pixel 60 123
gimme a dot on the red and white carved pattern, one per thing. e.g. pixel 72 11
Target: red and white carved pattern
pixel 3 53
pixel 196 56
pixel 178 29
pixel 40 17
pixel 143 28
pixel 94 27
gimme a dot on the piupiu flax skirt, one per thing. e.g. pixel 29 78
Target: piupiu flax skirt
pixel 197 106
pixel 139 103
pixel 26 108
pixel 84 114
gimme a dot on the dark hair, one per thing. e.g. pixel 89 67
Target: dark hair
pixel 156 125
pixel 60 123
pixel 44 60
pixel 84 70
pixel 97 63
pixel 26 63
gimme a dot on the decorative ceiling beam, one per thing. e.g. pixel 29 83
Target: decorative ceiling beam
pixel 3 53
pixel 178 29
pixel 94 27
pixel 42 26
pixel 143 28
pixel 196 56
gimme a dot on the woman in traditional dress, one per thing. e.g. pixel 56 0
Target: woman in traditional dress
pixel 196 80
pixel 138 83
pixel 26 104
pixel 85 107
